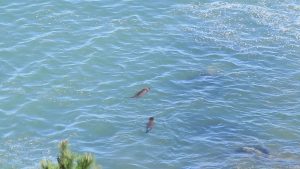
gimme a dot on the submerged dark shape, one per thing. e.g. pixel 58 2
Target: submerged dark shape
pixel 141 92
pixel 258 150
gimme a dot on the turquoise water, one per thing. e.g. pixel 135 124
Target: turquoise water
pixel 223 75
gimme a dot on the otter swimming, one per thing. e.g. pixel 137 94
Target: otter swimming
pixel 141 93
pixel 150 124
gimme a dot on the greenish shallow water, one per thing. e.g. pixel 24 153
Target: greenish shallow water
pixel 223 75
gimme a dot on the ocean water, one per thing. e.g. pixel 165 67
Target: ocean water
pixel 223 75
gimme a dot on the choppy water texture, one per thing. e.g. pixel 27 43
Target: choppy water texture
pixel 223 75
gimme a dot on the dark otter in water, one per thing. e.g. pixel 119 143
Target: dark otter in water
pixel 150 124
pixel 141 93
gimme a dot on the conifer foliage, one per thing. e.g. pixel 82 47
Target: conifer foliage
pixel 69 160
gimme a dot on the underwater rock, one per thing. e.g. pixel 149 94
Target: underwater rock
pixel 257 150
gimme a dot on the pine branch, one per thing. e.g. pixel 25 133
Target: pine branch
pixel 67 160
